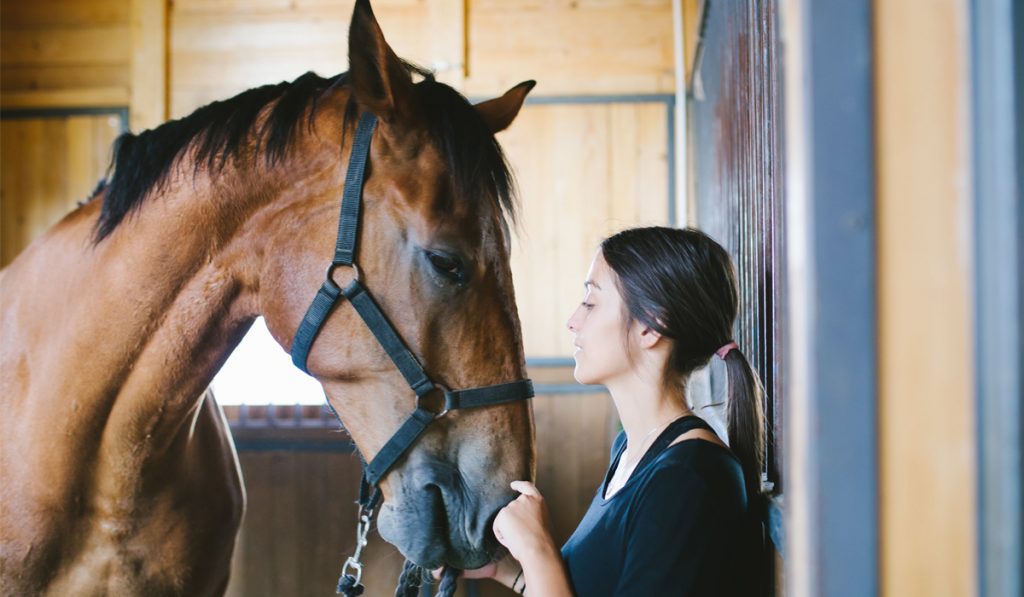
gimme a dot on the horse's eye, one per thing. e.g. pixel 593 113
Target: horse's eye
pixel 448 266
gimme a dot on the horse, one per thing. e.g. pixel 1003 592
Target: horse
pixel 119 474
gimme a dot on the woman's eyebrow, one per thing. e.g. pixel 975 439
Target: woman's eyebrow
pixel 591 283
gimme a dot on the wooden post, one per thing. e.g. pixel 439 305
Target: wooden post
pixel 149 64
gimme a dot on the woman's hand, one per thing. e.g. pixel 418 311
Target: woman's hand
pixel 523 527
pixel 485 571
pixel 503 571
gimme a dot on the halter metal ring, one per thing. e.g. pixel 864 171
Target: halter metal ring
pixel 332 266
pixel 444 393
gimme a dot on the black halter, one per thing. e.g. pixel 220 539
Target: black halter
pixel 357 294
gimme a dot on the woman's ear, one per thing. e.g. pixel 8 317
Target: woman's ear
pixel 648 337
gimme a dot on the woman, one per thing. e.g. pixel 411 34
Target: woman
pixel 676 514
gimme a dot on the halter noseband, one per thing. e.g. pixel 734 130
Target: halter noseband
pixel 357 294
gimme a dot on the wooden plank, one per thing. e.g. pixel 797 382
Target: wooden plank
pixel 927 451
pixel 299 523
pixel 300 526
pixel 80 97
pixel 149 62
pixel 48 165
pixel 62 13
pixel 693 11
pixel 604 47
pixel 574 434
pixel 39 78
pixel 64 53
pixel 584 171
pixel 218 49
pixel 106 44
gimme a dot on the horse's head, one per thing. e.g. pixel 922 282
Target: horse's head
pixel 433 249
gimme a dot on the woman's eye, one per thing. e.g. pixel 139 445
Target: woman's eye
pixel 587 306
pixel 448 266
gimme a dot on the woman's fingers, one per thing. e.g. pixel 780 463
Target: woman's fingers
pixel 525 488
pixel 487 571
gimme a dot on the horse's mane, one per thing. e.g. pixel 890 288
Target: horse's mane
pixel 223 130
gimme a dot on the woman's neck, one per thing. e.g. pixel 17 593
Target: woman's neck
pixel 643 405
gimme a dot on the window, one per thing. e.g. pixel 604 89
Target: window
pixel 261 372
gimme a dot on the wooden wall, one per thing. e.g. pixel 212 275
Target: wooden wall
pixel 927 443
pixel 585 171
pixel 300 520
pixel 47 165
pixel 597 145
pixel 600 153
pixel 482 47
pixel 65 53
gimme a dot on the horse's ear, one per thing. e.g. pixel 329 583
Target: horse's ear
pixel 379 79
pixel 499 112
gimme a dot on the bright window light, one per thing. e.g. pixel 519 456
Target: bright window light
pixel 261 372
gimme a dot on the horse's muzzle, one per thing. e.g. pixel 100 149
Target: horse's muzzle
pixel 436 517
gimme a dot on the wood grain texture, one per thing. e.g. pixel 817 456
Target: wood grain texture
pixel 584 171
pixel 299 525
pixel 927 448
pixel 218 49
pixel 64 53
pixel 571 46
pixel 148 100
pixel 47 165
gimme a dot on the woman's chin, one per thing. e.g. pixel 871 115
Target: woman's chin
pixel 580 375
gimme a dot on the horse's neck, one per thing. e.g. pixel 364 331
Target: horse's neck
pixel 129 332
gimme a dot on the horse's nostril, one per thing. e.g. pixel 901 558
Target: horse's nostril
pixel 484 536
pixel 437 512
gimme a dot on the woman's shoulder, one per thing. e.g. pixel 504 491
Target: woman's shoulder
pixel 696 459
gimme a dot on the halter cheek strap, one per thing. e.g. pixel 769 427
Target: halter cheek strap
pixel 328 296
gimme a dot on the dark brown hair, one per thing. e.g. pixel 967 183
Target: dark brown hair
pixel 682 284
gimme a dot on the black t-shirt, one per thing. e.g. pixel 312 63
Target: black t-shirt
pixel 679 526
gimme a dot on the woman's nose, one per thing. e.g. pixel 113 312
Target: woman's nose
pixel 572 323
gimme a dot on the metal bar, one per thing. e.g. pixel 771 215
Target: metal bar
pixel 776 525
pixel 832 494
pixel 282 445
pixel 551 362
pixel 996 27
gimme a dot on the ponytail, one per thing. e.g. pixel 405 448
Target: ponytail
pixel 745 421
pixel 682 284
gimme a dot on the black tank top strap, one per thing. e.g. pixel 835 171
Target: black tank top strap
pixel 669 434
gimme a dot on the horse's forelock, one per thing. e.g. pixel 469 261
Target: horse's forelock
pixel 473 156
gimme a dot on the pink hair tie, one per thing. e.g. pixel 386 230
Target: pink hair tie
pixel 723 351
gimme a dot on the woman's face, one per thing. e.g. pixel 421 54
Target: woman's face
pixel 599 325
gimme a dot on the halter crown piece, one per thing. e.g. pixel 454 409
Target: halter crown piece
pixel 357 294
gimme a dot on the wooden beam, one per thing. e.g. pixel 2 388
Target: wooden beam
pixel 149 64
pixel 79 97
pixel 926 394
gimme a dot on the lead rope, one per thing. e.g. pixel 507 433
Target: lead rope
pixel 447 586
pixel 412 578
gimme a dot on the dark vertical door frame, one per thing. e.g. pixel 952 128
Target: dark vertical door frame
pixel 831 414
pixel 997 76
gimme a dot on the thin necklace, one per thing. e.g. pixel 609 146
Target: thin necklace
pixel 623 472
pixel 643 442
